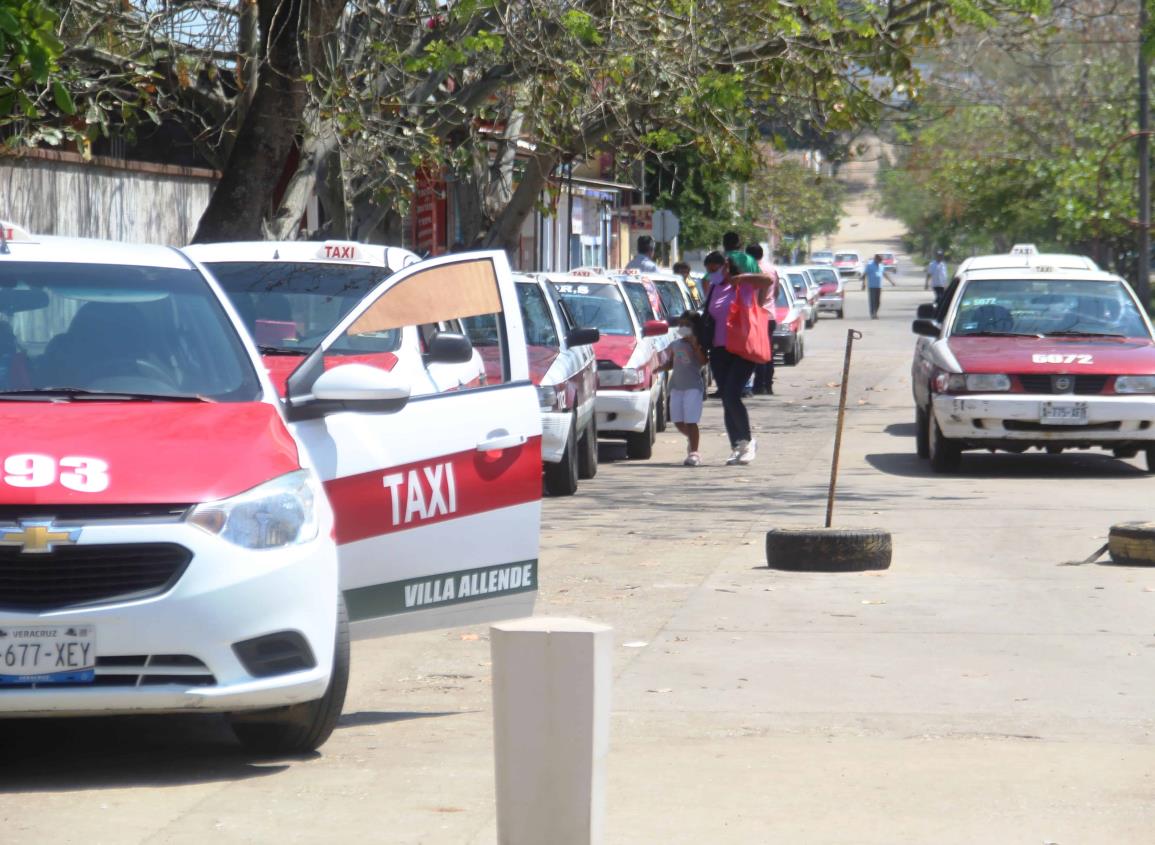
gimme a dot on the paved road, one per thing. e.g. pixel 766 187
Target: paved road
pixel 982 690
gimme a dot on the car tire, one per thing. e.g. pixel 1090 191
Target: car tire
pixel 1150 456
pixel 640 444
pixel 300 728
pixel 660 412
pixel 588 453
pixel 1126 453
pixel 790 358
pixel 921 433
pixel 561 479
pixel 841 313
pixel 828 549
pixel 1132 543
pixel 945 454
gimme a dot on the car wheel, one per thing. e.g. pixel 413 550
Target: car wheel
pixel 945 454
pixel 300 728
pixel 921 433
pixel 640 444
pixel 1150 450
pixel 660 412
pixel 841 314
pixel 588 453
pixel 1125 453
pixel 561 479
pixel 790 358
pixel 827 549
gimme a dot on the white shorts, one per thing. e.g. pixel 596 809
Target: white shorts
pixel 686 406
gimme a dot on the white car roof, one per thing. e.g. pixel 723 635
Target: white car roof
pixel 23 246
pixel 1041 273
pixel 1024 261
pixel 322 252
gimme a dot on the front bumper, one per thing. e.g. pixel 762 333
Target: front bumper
pixel 555 430
pixel 226 595
pixel 622 410
pixel 782 343
pixel 1016 418
pixel 831 302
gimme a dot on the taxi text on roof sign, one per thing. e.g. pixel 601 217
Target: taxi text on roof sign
pixel 340 251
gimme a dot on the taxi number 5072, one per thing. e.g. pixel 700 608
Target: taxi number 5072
pixel 1055 358
pixel 84 475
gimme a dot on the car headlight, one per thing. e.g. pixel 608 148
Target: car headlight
pixel 1135 384
pixel 624 377
pixel 984 382
pixel 281 512
pixel 950 383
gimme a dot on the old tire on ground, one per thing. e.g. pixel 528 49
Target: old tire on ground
pixel 588 453
pixel 921 433
pixel 827 549
pixel 300 728
pixel 1132 543
pixel 561 479
pixel 640 444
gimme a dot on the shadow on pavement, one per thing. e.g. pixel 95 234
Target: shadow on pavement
pixel 377 717
pixel 900 429
pixel 1007 465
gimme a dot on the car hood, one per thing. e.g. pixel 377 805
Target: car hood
pixel 156 452
pixel 1131 356
pixel 617 349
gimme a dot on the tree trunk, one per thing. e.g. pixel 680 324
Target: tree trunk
pixel 506 229
pixel 315 154
pixel 256 162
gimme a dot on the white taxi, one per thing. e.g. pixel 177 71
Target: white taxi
pixel 178 533
pixel 629 351
pixel 1034 351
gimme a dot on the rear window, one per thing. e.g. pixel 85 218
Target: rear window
pixel 535 314
pixel 824 276
pixel 640 299
pixel 846 256
pixel 119 329
pixel 672 300
pixel 1048 307
pixel 597 307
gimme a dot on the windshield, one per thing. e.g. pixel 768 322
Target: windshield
pixel 291 306
pixel 1048 307
pixel 846 256
pixel 118 329
pixel 797 280
pixel 597 307
pixel 671 296
pixel 824 276
pixel 823 253
pixel 640 299
pixel 535 314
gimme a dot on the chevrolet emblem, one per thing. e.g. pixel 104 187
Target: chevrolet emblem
pixel 37 536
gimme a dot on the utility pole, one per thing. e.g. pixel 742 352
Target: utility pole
pixel 1143 269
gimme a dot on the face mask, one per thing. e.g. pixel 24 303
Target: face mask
pixel 716 277
pixel 685 331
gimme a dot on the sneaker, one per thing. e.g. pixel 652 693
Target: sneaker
pixel 736 455
pixel 747 453
pixel 692 460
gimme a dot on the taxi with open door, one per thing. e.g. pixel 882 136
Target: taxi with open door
pixel 629 358
pixel 1034 351
pixel 181 532
pixel 562 366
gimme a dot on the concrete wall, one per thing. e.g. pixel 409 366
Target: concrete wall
pixel 58 193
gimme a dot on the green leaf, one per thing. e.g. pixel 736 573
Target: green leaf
pixel 63 98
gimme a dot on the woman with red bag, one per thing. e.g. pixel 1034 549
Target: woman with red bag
pixel 740 342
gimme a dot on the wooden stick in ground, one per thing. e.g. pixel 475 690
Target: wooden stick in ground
pixel 851 336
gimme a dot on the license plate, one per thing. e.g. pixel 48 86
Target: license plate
pixel 47 654
pixel 1064 413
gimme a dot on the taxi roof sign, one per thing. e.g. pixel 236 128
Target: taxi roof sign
pixel 10 232
pixel 1024 249
pixel 340 251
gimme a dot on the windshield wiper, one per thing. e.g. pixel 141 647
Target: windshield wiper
pixel 986 333
pixel 1077 333
pixel 281 350
pixel 49 394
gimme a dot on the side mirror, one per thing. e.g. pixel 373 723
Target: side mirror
pixel 926 328
pixel 655 328
pixel 926 311
pixel 583 337
pixel 352 387
pixel 449 348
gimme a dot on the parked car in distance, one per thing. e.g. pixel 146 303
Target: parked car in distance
pixel 849 264
pixel 831 293
pixel 562 367
pixel 805 292
pixel 822 257
pixel 788 340
pixel 889 262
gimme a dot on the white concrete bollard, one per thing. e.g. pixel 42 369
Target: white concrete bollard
pixel 551 729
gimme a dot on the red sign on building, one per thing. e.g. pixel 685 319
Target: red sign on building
pixel 429 207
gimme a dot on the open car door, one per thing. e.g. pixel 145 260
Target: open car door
pixel 436 490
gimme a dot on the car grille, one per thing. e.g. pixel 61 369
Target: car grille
pixel 69 576
pixel 140 670
pixel 1073 430
pixel 1084 385
pixel 88 514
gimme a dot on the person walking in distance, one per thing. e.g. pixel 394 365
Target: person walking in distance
pixel 936 276
pixel 764 373
pixel 741 281
pixel 874 275
pixel 687 385
pixel 644 260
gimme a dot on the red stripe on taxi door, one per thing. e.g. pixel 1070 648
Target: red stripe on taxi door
pixel 382 501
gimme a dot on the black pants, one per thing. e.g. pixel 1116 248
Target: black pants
pixel 731 374
pixel 938 292
pixel 764 373
pixel 875 300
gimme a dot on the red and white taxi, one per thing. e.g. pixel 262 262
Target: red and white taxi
pixel 849 264
pixel 562 366
pixel 789 334
pixel 831 290
pixel 1034 351
pixel 179 533
pixel 629 358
